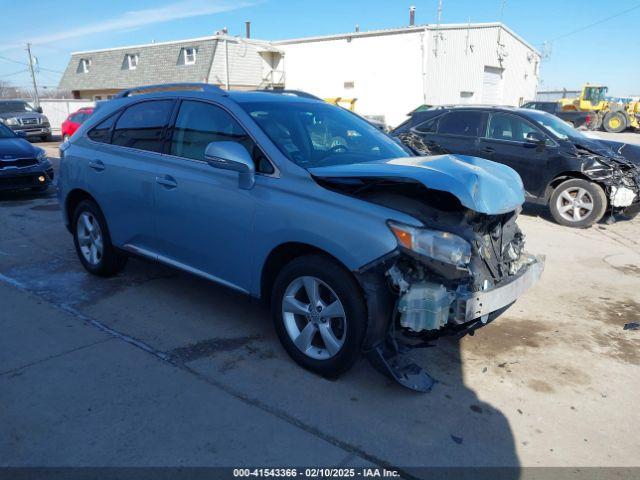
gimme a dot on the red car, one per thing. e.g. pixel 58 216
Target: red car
pixel 73 122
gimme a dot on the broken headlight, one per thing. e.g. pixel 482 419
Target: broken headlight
pixel 443 246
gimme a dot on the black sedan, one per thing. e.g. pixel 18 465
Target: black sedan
pixel 22 165
pixel 579 178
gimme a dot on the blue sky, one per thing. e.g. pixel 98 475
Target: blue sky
pixel 606 53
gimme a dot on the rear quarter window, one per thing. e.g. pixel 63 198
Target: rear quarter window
pixel 102 131
pixel 142 125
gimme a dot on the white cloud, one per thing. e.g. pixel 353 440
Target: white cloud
pixel 139 18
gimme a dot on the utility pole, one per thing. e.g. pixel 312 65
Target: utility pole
pixel 438 35
pixel 36 98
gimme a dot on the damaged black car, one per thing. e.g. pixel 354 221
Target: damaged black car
pixel 580 179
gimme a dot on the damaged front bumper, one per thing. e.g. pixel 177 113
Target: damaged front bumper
pixel 481 304
pixel 397 326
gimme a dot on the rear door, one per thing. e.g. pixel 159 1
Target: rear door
pixel 456 131
pixel 505 142
pixel 121 170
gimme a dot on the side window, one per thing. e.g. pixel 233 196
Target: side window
pixel 430 126
pixel 142 125
pixel 509 127
pixel 547 107
pixel 102 132
pixel 465 123
pixel 198 124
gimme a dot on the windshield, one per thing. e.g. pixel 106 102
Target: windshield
pixel 555 125
pixel 595 94
pixel 318 134
pixel 6 132
pixel 11 107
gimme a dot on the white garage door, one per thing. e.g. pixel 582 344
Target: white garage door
pixel 492 86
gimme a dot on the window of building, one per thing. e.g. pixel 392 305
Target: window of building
pixel 349 85
pixel 198 124
pixel 189 55
pixel 84 65
pixel 465 123
pixel 97 97
pixel 131 61
pixel 102 132
pixel 142 125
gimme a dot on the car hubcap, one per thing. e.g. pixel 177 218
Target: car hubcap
pixel 314 318
pixel 89 238
pixel 575 204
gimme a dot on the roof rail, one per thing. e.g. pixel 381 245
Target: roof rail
pixel 162 87
pixel 291 93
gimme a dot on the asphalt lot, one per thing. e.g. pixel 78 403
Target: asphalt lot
pixel 156 367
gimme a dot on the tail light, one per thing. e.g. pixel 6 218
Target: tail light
pixel 588 120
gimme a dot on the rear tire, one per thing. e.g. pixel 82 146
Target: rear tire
pixel 93 242
pixel 336 354
pixel 578 203
pixel 615 122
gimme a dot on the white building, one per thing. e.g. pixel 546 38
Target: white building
pixel 391 72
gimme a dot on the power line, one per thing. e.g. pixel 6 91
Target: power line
pixel 599 22
pixel 13 61
pixel 13 73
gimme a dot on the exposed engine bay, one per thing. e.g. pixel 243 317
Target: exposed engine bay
pixel 432 297
pixel 619 177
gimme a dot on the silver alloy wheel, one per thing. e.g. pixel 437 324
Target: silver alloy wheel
pixel 314 318
pixel 90 238
pixel 575 204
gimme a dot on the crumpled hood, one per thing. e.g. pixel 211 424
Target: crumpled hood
pixel 480 185
pixel 12 148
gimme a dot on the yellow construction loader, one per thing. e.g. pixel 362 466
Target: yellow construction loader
pixel 612 116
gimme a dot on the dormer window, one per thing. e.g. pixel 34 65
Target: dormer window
pixel 189 55
pixel 131 61
pixel 84 66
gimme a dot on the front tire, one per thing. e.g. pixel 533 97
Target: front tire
pixel 319 314
pixel 578 203
pixel 93 242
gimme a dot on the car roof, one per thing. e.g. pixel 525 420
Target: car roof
pixel 493 108
pixel 209 91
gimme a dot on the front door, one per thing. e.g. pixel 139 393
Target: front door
pixel 204 221
pixel 506 142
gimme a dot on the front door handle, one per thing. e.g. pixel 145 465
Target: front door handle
pixel 97 165
pixel 167 182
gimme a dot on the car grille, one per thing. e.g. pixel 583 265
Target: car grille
pixel 29 121
pixel 18 163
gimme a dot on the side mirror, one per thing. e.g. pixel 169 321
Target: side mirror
pixel 534 139
pixel 39 109
pixel 20 134
pixel 232 156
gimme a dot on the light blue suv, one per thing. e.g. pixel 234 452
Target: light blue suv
pixel 356 243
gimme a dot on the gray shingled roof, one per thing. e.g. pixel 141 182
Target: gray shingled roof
pixel 161 63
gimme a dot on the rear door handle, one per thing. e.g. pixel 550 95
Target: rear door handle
pixel 488 150
pixel 167 182
pixel 97 165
